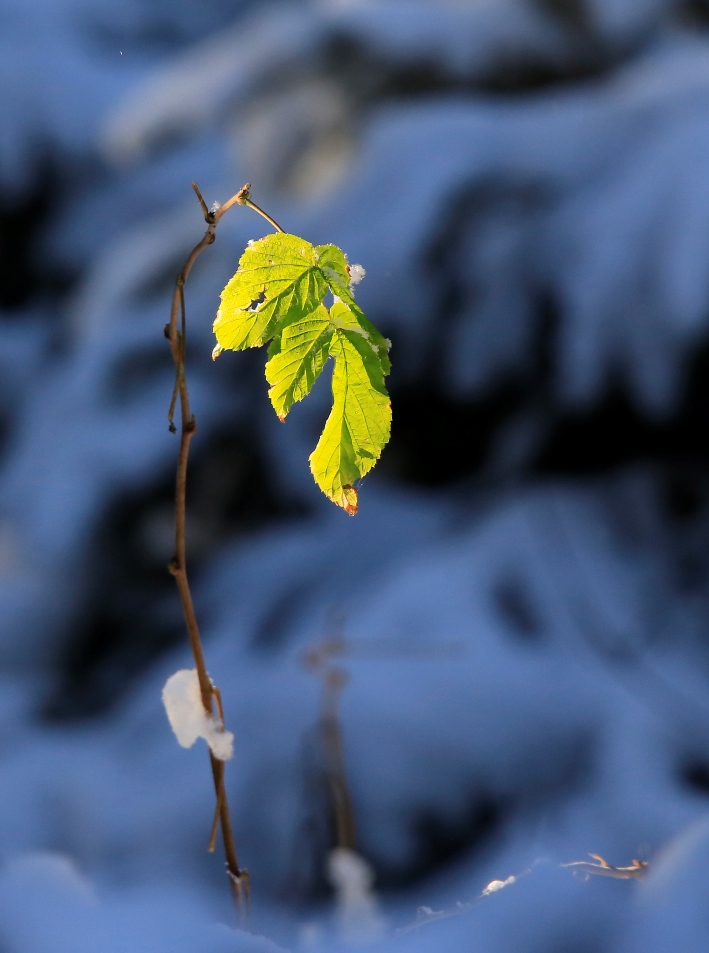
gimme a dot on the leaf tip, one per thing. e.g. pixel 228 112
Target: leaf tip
pixel 217 351
pixel 350 502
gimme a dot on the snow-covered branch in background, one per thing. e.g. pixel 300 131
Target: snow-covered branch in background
pixel 356 905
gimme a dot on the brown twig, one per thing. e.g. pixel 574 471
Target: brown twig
pixel 238 876
pixel 254 206
pixel 218 806
pixel 637 869
pixel 318 659
pixel 334 680
pixel 425 915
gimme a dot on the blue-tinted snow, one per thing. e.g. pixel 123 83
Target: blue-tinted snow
pixel 546 663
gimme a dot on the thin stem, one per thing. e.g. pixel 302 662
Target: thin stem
pixel 200 198
pixel 218 806
pixel 341 802
pixel 238 876
pixel 212 843
pixel 254 206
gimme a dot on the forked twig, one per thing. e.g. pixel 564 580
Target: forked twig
pixel 425 915
pixel 637 869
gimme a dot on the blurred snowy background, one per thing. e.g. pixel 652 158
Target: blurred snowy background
pixel 525 591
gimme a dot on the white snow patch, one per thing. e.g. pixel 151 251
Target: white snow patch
pixel 359 920
pixel 310 935
pixel 357 273
pixel 188 719
pixel 47 872
pixel 496 885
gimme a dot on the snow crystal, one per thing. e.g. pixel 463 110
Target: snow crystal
pixel 188 719
pixel 352 878
pixel 357 273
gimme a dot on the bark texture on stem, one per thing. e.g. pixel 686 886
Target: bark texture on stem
pixel 175 332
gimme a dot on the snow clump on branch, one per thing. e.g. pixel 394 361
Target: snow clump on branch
pixel 189 720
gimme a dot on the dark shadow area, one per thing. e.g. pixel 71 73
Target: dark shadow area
pixel 443 841
pixel 615 432
pixel 27 276
pixel 695 775
pixel 437 440
pixel 132 613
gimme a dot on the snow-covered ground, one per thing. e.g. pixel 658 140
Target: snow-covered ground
pixel 523 596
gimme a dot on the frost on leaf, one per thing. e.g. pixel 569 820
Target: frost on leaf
pixel 188 719
pixel 357 273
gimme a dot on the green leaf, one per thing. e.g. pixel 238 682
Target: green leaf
pixel 296 358
pixel 278 281
pixel 333 263
pixel 348 315
pixel 278 293
pixel 360 420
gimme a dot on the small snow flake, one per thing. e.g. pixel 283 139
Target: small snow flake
pixel 357 273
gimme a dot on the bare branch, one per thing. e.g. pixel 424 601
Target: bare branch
pixel 238 876
pixel 637 869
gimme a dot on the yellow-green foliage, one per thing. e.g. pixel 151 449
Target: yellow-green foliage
pixel 277 295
